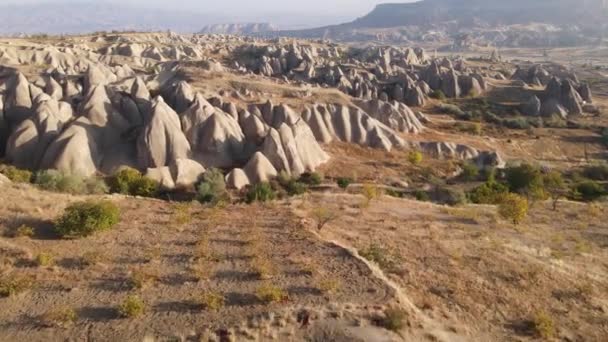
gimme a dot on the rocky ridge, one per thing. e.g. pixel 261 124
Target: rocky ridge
pixel 93 111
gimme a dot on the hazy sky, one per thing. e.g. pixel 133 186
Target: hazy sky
pixel 248 7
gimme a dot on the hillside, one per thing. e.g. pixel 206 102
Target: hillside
pixel 70 18
pixel 474 12
pixel 543 22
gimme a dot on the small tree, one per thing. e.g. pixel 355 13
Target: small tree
pixel 514 208
pixel 555 186
pixel 324 216
pixel 370 192
pixel 523 178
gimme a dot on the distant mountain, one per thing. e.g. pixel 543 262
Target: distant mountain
pixel 239 29
pixel 415 21
pixel 493 12
pixel 78 17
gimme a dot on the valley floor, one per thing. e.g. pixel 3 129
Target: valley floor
pixel 460 273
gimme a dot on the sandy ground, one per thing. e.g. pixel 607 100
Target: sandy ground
pixel 482 277
pixel 150 239
pixel 461 274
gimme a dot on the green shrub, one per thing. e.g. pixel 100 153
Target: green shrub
pixel 394 193
pixel 24 231
pixel 422 195
pixel 394 319
pixel 596 172
pixel 213 301
pixel 53 180
pixel 543 325
pixel 588 191
pixel 513 208
pixel 16 175
pixel 491 192
pixel 516 123
pixel 525 179
pixel 44 259
pixel 415 157
pixel 470 172
pixel 488 174
pixel 311 178
pixel 85 218
pixel 11 285
pixel 343 182
pixel 380 255
pixel 144 187
pixel 133 306
pixel 294 188
pixel 213 187
pixel 492 118
pixel 447 108
pixel 261 192
pixel 437 94
pixel 555 121
pixel 122 181
pixel 269 294
pixel 449 196
pixel 473 128
pixel 129 181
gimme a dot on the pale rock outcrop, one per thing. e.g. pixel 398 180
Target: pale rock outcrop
pixel 469 85
pixel 161 141
pixel 395 115
pixel 415 97
pixel 180 96
pixel 553 107
pixel 18 102
pixel 237 179
pixel 253 127
pixel 30 139
pixel 307 150
pixel 259 169
pixel 215 136
pixel 350 124
pixel 186 172
pixel 450 85
pixel 272 148
pixel 82 147
pixel 54 89
pixel 75 150
pixel 532 107
pixel 318 118
pixel 162 175
pixel 585 92
pixel 94 77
